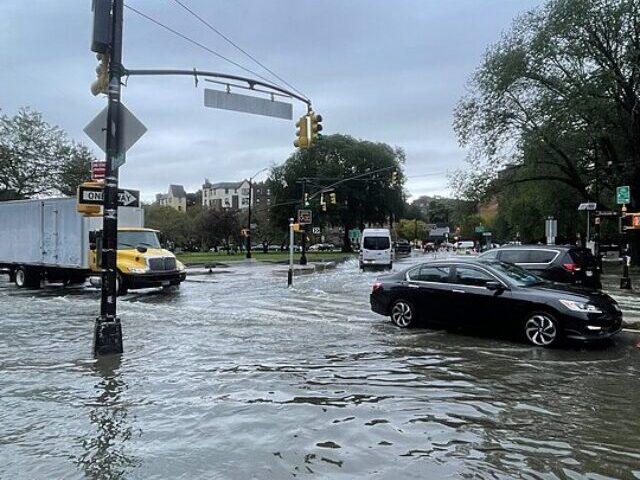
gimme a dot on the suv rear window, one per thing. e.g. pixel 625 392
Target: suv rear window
pixel 514 256
pixel 541 256
pixel 376 243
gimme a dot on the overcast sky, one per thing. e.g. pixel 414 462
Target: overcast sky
pixel 380 70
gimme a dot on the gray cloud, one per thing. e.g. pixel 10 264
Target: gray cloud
pixel 379 70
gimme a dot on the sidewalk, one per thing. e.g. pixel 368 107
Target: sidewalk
pixel 629 300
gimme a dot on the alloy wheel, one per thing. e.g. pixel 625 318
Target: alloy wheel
pixel 541 330
pixel 402 314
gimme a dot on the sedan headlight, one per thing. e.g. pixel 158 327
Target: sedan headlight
pixel 138 270
pixel 180 265
pixel 584 307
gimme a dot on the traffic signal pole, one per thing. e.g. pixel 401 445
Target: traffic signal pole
pixel 107 338
pixel 303 245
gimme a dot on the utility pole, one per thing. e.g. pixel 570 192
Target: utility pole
pixel 249 220
pixel 108 331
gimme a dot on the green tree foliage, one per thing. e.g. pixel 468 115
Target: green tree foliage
pixel 411 229
pixel 37 159
pixel 176 228
pixel 557 98
pixel 370 199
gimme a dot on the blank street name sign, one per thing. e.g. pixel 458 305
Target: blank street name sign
pixel 247 104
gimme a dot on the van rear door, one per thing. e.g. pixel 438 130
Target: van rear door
pixel 376 249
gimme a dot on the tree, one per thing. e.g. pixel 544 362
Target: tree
pixel 75 170
pixel 557 98
pixel 37 159
pixel 370 198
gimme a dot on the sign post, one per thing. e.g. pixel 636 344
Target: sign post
pixel 551 230
pixel 290 271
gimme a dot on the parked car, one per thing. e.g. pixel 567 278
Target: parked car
pixel 402 247
pixel 565 264
pixel 486 294
pixel 465 246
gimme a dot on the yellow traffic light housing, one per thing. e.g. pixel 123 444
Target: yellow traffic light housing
pixel 394 178
pixel 101 84
pixel 332 198
pixel 302 133
pixel 315 128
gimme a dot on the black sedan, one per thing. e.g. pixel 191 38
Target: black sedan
pixel 488 294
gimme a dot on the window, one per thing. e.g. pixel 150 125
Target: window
pixel 514 256
pixel 434 273
pixel 490 255
pixel 472 277
pixel 541 256
pixel 245 191
pixel 245 201
pixel 376 243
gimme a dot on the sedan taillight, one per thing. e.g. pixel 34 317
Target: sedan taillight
pixel 377 286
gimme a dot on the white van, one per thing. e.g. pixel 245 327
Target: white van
pixel 375 248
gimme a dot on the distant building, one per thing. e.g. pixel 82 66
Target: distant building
pixel 223 195
pixel 176 198
pixel 261 194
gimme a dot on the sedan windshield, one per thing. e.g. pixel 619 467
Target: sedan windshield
pixel 139 238
pixel 517 275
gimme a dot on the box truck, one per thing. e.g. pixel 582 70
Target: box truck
pixel 48 240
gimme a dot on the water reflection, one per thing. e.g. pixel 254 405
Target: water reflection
pixel 104 451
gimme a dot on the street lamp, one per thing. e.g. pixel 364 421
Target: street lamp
pixel 250 200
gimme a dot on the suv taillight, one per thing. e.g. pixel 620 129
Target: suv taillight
pixel 571 267
pixel 377 286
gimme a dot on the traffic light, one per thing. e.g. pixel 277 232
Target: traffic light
pixel 332 198
pixel 324 207
pixel 306 199
pixel 316 128
pixel 302 133
pixel 394 178
pixel 101 84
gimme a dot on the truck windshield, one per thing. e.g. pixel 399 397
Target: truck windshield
pixel 140 238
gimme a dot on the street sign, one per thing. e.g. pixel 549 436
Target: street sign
pixel 589 206
pixel 607 214
pixel 480 228
pixel 98 169
pixel 304 217
pixel 132 129
pixel 623 195
pixel 94 196
pixel 551 230
pixel 316 230
pixel 486 234
pixel 247 104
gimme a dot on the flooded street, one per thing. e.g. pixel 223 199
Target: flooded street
pixel 236 377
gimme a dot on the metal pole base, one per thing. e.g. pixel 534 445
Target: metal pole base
pixel 303 259
pixel 107 337
pixel 625 283
pixel 290 277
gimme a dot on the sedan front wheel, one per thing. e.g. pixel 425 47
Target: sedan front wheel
pixel 403 314
pixel 542 330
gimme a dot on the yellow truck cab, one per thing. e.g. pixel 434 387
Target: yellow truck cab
pixel 142 262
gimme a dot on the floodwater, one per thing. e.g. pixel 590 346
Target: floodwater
pixel 237 377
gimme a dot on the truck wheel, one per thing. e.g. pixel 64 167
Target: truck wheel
pixel 121 285
pixel 27 277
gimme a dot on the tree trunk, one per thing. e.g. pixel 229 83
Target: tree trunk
pixel 346 241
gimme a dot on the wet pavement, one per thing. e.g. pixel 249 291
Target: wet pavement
pixel 235 376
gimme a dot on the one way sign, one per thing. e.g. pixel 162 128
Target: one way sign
pixel 94 196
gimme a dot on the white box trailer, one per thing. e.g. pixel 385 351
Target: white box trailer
pixel 49 234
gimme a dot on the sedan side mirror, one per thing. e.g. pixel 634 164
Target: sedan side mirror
pixel 141 248
pixel 494 286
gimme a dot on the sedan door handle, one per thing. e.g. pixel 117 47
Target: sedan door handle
pixel 413 285
pixel 455 290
